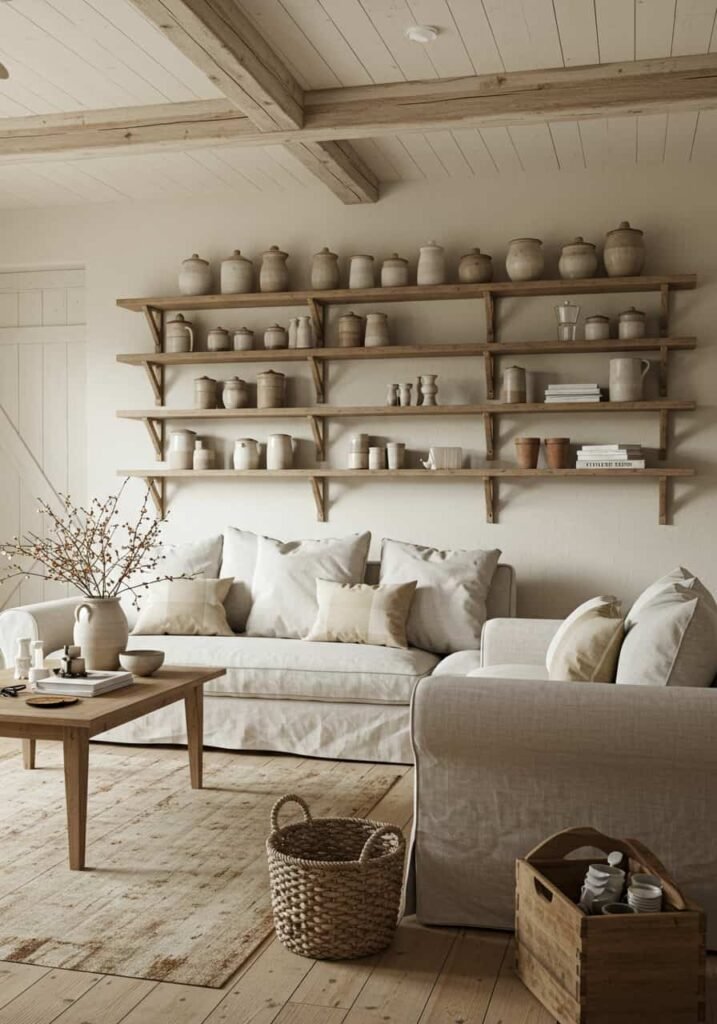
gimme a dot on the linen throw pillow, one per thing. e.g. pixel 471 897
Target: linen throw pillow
pixel 358 613
pixel 284 584
pixel 239 561
pixel 449 608
pixel 671 637
pixel 588 649
pixel 185 608
pixel 603 601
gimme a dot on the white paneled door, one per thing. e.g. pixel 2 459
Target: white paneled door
pixel 42 402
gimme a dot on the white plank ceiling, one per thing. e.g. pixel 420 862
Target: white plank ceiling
pixel 68 55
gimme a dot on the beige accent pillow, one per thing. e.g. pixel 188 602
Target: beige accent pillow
pixel 588 650
pixel 185 608
pixel 604 601
pixel 358 613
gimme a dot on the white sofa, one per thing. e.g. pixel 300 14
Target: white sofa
pixel 345 701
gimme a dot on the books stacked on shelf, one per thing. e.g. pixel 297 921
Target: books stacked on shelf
pixel 610 456
pixel 572 393
pixel 91 685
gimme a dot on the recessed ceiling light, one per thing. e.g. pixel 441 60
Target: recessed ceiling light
pixel 4 73
pixel 422 33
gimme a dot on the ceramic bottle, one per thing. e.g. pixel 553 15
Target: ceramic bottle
pixel 428 388
pixel 178 335
pixel 394 272
pixel 202 457
pixel 205 393
pixel 279 451
pixel 392 394
pixel 404 394
pixel 293 330
pixel 578 259
pixel 475 267
pixel 361 272
pixel 325 270
pixel 431 264
pixel 376 330
pixel 276 337
pixel 624 251
pixel 270 390
pixel 235 393
pixel 274 273
pixel 195 276
pixel 236 274
pixel 524 260
pixel 246 453
pixel 351 330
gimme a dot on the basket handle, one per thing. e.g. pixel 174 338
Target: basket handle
pixel 384 830
pixel 289 798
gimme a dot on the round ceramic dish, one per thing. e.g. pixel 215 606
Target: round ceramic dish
pixel 141 663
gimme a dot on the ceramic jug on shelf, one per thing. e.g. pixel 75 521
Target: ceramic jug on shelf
pixel 279 451
pixel 624 251
pixel 246 453
pixel 178 335
pixel 181 447
pixel 627 376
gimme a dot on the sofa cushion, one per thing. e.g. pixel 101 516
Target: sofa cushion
pixel 460 663
pixel 359 613
pixel 510 672
pixel 239 561
pixel 589 649
pixel 296 670
pixel 605 601
pixel 185 608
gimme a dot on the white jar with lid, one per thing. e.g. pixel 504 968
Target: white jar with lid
pixel 236 275
pixel 597 327
pixel 631 324
pixel 218 340
pixel 361 272
pixel 394 272
pixel 195 276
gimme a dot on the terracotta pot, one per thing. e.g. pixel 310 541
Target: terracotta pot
pixel 475 267
pixel 236 275
pixel 101 631
pixel 624 251
pixel 325 270
pixel 195 277
pixel 527 450
pixel 524 260
pixel 274 274
pixel 557 452
pixel 578 259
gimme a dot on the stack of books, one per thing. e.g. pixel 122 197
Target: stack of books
pixel 91 685
pixel 572 393
pixel 610 456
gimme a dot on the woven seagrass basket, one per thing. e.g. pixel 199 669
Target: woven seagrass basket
pixel 335 883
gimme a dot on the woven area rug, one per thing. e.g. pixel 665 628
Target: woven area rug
pixel 177 886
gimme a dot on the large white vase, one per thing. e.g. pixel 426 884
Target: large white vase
pixel 101 631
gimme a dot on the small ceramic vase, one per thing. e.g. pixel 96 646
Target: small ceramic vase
pixel 305 333
pixel 218 340
pixel 428 389
pixel 396 454
pixel 246 453
pixel 361 273
pixel 276 337
pixel 243 339
pixel 557 452
pixel 101 631
pixel 475 267
pixel 178 335
pixel 392 394
pixel 514 384
pixel 376 330
pixel 293 326
pixel 527 450
pixel 202 457
pixel 524 260
pixel 236 275
pixel 377 457
pixel 235 393
pixel 279 451
pixel 274 273
pixel 404 394
pixel 597 327
pixel 270 390
pixel 578 259
pixel 205 393
pixel 181 446
pixel 325 270
pixel 624 251
pixel 394 272
pixel 431 264
pixel 195 277
pixel 351 330
pixel 631 324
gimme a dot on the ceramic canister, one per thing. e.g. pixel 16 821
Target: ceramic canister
pixel 394 272
pixel 218 340
pixel 524 260
pixel 235 393
pixel 351 330
pixel 236 274
pixel 305 333
pixel 431 264
pixel 279 451
pixel 195 276
pixel 325 270
pixel 243 339
pixel 276 337
pixel 597 327
pixel 246 453
pixel 624 251
pixel 631 324
pixel 181 446
pixel 270 390
pixel 376 330
pixel 578 259
pixel 475 267
pixel 205 393
pixel 178 335
pixel 377 457
pixel 274 273
pixel 361 274
pixel 514 384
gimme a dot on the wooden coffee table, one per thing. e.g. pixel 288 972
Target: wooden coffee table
pixel 77 724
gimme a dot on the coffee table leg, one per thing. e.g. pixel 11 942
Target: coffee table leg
pixel 194 711
pixel 76 749
pixel 28 753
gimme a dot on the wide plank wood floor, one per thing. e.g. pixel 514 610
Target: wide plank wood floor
pixel 428 976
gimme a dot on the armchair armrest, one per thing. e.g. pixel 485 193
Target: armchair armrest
pixel 516 641
pixel 50 621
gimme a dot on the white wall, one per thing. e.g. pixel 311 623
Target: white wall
pixel 568 540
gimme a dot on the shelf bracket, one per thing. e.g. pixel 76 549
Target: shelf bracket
pixel 489 317
pixel 664 311
pixel 318 429
pixel 155 373
pixel 489 491
pixel 489 367
pixel 664 434
pixel 158 494
pixel 663 512
pixel 662 370
pixel 318 487
pixel 155 429
pixel 318 318
pixel 489 424
pixel 155 319
pixel 318 372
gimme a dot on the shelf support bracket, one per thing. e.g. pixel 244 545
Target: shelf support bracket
pixel 318 429
pixel 155 374
pixel 664 311
pixel 489 368
pixel 489 492
pixel 158 494
pixel 663 512
pixel 662 369
pixel 155 429
pixel 489 317
pixel 155 319
pixel 664 434
pixel 318 318
pixel 318 487
pixel 489 424
pixel 318 372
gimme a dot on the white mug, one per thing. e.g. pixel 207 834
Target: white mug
pixel 396 452
pixel 626 378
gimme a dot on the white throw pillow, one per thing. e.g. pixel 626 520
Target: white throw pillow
pixel 359 613
pixel 589 648
pixel 284 584
pixel 449 608
pixel 605 601
pixel 671 637
pixel 239 561
pixel 185 608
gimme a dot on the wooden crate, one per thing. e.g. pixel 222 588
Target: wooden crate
pixel 597 969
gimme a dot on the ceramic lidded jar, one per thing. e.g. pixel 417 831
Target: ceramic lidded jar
pixel 195 276
pixel 276 337
pixel 205 393
pixel 235 393
pixel 361 273
pixel 578 259
pixel 431 264
pixel 218 340
pixel 394 271
pixel 236 275
pixel 514 384
pixel 597 327
pixel 631 324
pixel 351 330
pixel 274 273
pixel 475 267
pixel 524 260
pixel 178 335
pixel 270 390
pixel 624 251
pixel 246 453
pixel 243 339
pixel 325 270
pixel 376 330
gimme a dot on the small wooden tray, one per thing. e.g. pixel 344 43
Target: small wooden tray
pixel 51 702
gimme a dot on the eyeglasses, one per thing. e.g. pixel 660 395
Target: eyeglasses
pixel 12 691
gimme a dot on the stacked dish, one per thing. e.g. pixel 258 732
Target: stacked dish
pixel 644 894
pixel 603 885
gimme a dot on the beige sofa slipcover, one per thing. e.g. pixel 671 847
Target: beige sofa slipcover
pixel 501 763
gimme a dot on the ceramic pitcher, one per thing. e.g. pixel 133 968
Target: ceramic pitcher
pixel 101 631
pixel 178 335
pixel 626 378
